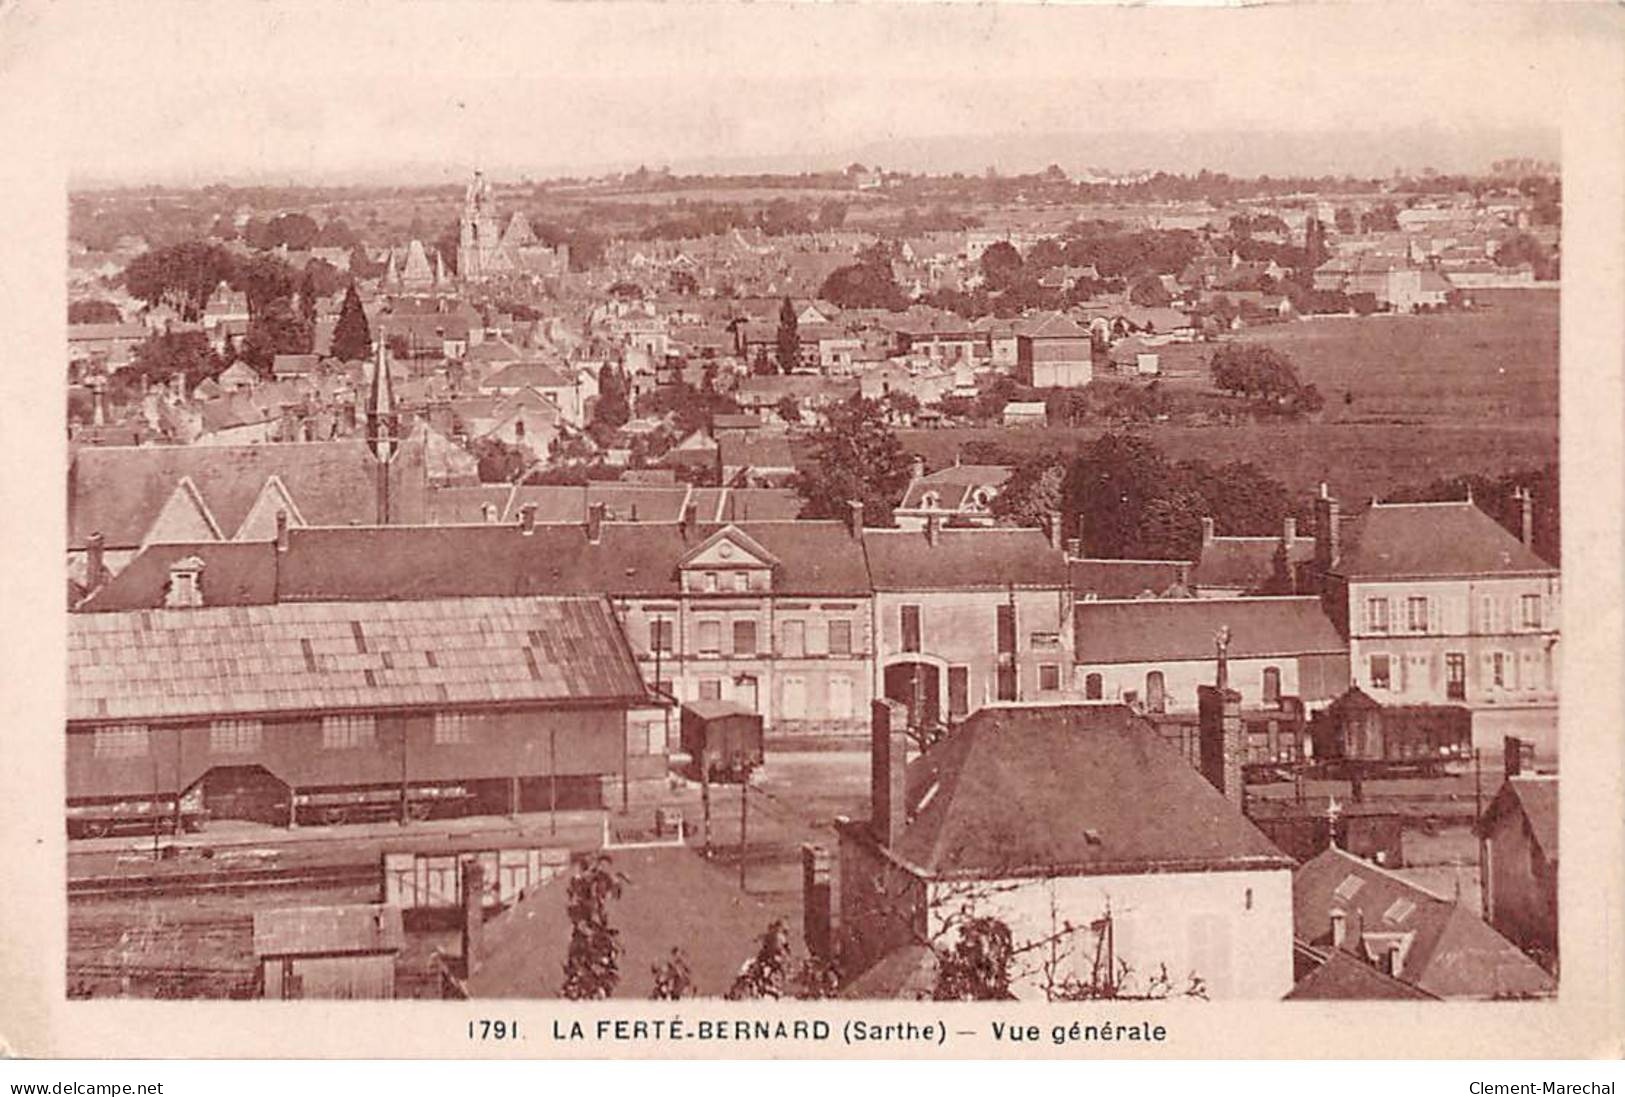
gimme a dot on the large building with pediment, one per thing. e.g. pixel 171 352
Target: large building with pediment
pixel 485 252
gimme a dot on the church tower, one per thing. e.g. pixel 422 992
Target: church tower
pixel 383 429
pixel 477 237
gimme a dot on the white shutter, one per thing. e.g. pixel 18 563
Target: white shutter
pixel 1486 662
pixel 1435 613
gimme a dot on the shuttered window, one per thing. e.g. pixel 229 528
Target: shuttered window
pixel 234 736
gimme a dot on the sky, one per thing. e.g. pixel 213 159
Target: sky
pixel 422 91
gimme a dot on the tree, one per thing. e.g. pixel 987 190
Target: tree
pixel 1263 373
pixel 1112 482
pixel 164 355
pixel 856 456
pixel 352 337
pixel 183 276
pixel 592 967
pixel 1032 493
pixel 1001 265
pixel 789 338
pixel 764 974
pixel 275 330
pixel 789 408
pixel 863 285
pixel 1149 292
pixel 498 462
pixel 94 312
pixel 977 967
pixel 1344 220
pixel 673 979
pixel 612 410
pixel 307 298
pixel 1314 243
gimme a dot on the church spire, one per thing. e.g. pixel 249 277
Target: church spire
pixel 383 420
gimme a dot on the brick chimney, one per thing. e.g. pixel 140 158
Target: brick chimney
pixel 1289 530
pixel 1512 752
pixel 916 467
pixel 854 518
pixel 473 916
pixel 595 522
pixel 1340 929
pixel 1074 548
pixel 1207 531
pixel 933 530
pixel 1220 736
pixel 1052 528
pixel 95 565
pixel 1328 519
pixel 888 756
pixel 690 521
pixel 527 519
pixel 282 531
pixel 816 909
pixel 1526 500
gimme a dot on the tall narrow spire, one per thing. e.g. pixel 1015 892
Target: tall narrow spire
pixel 383 420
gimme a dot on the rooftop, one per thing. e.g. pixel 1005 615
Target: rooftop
pixel 1182 629
pixel 1428 540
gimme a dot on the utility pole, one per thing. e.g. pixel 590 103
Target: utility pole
pixel 744 800
pixel 705 790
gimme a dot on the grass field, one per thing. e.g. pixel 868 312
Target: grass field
pixel 1434 396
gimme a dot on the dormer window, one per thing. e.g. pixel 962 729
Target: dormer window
pixel 185 583
pixel 930 500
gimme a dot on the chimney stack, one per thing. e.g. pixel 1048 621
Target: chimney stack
pixel 595 522
pixel 527 519
pixel 282 531
pixel 1220 740
pixel 1512 752
pixel 1328 518
pixel 1207 531
pixel 690 521
pixel 933 530
pixel 473 916
pixel 1289 530
pixel 1390 960
pixel 854 518
pixel 916 467
pixel 1052 528
pixel 816 909
pixel 1526 499
pixel 888 756
pixel 1340 929
pixel 489 512
pixel 1074 548
pixel 95 566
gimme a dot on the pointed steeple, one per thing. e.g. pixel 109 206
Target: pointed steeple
pixel 383 420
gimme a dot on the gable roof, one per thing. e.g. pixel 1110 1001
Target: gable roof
pixel 168 663
pixel 1535 797
pixel 1113 579
pixel 235 573
pixel 1342 977
pixel 1182 629
pixel 1418 540
pixel 302 931
pixel 1449 951
pixel 1074 789
pixel 671 898
pixel 963 559
pixel 1246 563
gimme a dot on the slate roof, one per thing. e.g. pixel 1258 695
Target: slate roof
pixel 1246 563
pixel 1432 540
pixel 1075 790
pixel 671 898
pixel 1536 797
pixel 1451 952
pixel 1116 579
pixel 303 931
pixel 1182 629
pixel 763 454
pixel 747 504
pixel 236 573
pixel 119 490
pixel 158 664
pixel 954 484
pixel 622 502
pixel 536 375
pixel 963 559
pixel 1343 977
pixel 450 506
pixel 1053 325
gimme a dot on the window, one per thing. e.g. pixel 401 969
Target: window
pixel 1007 682
pixel 911 627
pixel 710 639
pixel 1455 676
pixel 234 736
pixel 450 727
pixel 1092 687
pixel 840 637
pixel 347 732
pixel 710 689
pixel 793 638
pixel 710 582
pixel 1049 676
pixel 793 698
pixel 1531 610
pixel 958 691
pixel 660 635
pixel 745 691
pixel 840 697
pixel 1272 685
pixel 519 430
pixel 1381 672
pixel 641 736
pixel 1376 614
pixel 744 637
pixel 741 581
pixel 1006 627
pixel 129 741
pixel 1486 614
pixel 1156 692
pixel 1416 614
pixel 1498 669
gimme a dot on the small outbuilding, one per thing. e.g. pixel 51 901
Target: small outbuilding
pixel 328 952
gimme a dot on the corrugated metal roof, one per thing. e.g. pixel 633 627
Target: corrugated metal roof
pixel 156 664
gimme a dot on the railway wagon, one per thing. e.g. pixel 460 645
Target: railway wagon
pixel 1273 738
pixel 725 737
pixel 1358 735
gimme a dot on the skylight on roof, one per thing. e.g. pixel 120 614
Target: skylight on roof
pixel 1349 888
pixel 1400 910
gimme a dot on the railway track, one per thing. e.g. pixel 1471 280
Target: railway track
pixel 234 880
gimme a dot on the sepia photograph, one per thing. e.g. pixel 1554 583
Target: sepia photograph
pixel 814 507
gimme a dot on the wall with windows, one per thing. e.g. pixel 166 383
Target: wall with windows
pixel 1259 681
